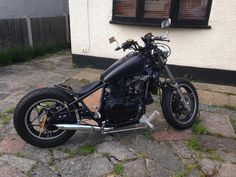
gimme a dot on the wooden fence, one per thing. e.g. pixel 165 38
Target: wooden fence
pixel 34 32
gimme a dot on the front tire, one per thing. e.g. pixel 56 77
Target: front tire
pixel 29 111
pixel 174 112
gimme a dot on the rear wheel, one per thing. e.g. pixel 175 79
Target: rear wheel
pixel 174 110
pixel 31 117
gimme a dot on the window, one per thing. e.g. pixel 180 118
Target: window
pixel 184 13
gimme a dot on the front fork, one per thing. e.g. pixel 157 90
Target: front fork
pixel 175 85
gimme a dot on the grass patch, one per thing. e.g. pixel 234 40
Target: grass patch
pixel 142 156
pixel 233 123
pixel 71 152
pixel 87 149
pixel 106 154
pixel 19 154
pixel 214 155
pixel 83 150
pixel 232 108
pixel 10 110
pixel 84 81
pixel 199 129
pixel 118 169
pixel 149 134
pixel 194 144
pixel 30 173
pixel 5 118
pixel 17 55
pixel 187 170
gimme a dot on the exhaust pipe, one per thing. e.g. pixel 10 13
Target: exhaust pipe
pixel 81 127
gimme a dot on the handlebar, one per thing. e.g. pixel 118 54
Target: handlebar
pixel 160 38
pixel 148 39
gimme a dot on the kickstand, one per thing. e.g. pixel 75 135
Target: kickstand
pixel 147 120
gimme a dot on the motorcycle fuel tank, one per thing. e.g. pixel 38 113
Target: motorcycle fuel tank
pixel 131 64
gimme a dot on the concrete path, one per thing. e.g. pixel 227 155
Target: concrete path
pixel 208 149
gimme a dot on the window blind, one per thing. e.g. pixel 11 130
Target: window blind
pixel 192 9
pixel 159 9
pixel 125 8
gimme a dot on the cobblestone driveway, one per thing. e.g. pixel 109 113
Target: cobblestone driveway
pixel 207 150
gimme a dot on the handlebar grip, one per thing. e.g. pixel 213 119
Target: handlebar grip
pixel 117 48
pixel 127 44
pixel 156 38
pixel 160 38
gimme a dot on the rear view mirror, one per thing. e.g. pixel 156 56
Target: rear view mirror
pixel 166 23
pixel 112 39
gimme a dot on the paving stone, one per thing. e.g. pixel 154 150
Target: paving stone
pixel 11 144
pixel 217 124
pixel 228 157
pixel 43 171
pixel 213 98
pixel 115 149
pixel 99 167
pixel 81 138
pixel 227 170
pixel 207 166
pixel 232 100
pixel 4 87
pixel 215 88
pixel 9 128
pixel 88 73
pixel 182 150
pixel 8 171
pixel 19 163
pixel 156 170
pixel 78 166
pixel 159 152
pixel 3 96
pixel 135 168
pixel 59 155
pixel 180 135
pixel 166 135
pixel 162 135
pixel 219 143
pixel 217 165
pixel 39 154
pixel 51 70
pixel 194 173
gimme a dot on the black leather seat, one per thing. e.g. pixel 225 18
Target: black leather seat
pixel 83 90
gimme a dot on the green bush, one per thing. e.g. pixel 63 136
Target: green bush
pixel 17 55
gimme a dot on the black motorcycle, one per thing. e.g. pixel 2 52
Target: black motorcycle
pixel 47 117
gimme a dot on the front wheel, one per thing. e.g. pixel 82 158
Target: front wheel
pixel 174 110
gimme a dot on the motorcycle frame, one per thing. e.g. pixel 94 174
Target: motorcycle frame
pixel 79 99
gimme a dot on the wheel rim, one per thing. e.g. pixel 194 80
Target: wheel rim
pixel 35 113
pixel 183 116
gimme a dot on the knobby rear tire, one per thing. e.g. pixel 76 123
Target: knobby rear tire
pixel 25 104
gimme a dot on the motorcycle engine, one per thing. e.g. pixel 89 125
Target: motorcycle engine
pixel 124 100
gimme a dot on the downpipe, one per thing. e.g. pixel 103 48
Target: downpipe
pixel 81 127
pixel 145 121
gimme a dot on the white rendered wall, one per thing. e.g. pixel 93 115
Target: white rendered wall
pixel 206 48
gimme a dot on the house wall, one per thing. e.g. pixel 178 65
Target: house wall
pixel 32 8
pixel 204 48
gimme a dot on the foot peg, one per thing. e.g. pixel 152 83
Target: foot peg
pixel 147 120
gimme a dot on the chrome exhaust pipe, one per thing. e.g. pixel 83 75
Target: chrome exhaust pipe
pixel 81 127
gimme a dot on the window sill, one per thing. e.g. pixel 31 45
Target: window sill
pixel 158 25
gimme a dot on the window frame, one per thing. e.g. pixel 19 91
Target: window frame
pixel 139 20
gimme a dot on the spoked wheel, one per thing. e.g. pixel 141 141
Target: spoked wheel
pixel 175 113
pixel 33 116
pixel 36 119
